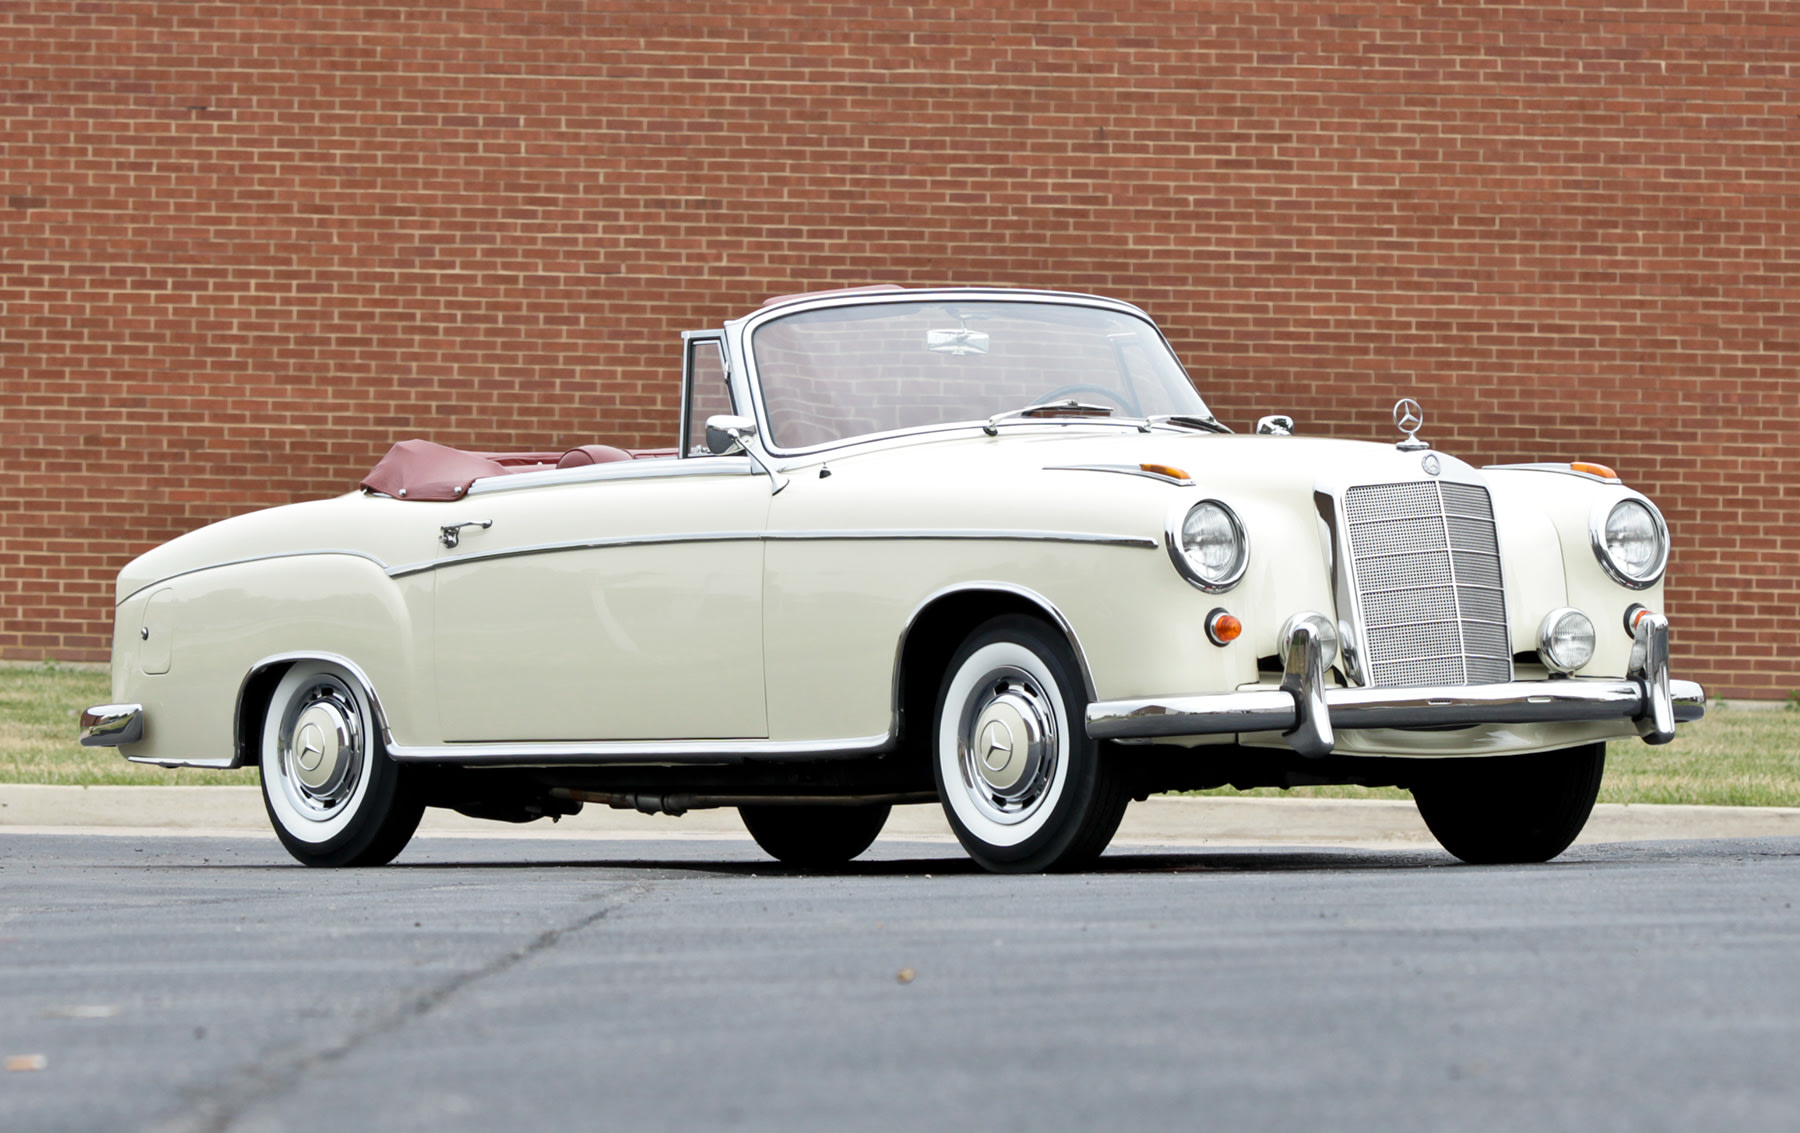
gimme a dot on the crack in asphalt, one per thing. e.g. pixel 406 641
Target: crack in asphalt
pixel 216 1108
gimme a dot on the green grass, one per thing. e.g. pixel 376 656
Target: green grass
pixel 40 709
pixel 1734 757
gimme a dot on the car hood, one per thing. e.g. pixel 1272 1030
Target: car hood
pixel 1226 465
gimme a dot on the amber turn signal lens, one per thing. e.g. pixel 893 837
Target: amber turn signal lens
pixel 1168 470
pixel 1223 628
pixel 1600 470
pixel 1633 615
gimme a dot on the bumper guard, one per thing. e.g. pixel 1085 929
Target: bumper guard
pixel 109 725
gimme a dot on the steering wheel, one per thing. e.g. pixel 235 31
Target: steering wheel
pixel 1119 399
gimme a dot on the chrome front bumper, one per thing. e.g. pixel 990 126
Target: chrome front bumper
pixel 1307 712
pixel 109 725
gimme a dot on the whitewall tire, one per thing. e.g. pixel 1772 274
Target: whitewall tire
pixel 332 794
pixel 1022 784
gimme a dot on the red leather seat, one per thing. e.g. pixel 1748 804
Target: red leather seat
pixel 592 454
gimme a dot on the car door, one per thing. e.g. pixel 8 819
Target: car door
pixel 626 607
pixel 619 601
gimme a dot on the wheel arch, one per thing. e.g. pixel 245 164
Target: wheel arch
pixel 259 684
pixel 939 625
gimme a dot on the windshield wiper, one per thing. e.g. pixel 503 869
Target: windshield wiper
pixel 1186 421
pixel 1068 408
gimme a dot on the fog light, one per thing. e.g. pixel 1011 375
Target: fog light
pixel 1565 640
pixel 1322 628
pixel 1223 628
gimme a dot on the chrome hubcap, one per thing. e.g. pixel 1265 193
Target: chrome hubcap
pixel 322 748
pixel 1008 743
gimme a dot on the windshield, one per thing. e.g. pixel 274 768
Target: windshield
pixel 840 372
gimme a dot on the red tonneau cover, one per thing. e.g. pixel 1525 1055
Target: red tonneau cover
pixel 421 470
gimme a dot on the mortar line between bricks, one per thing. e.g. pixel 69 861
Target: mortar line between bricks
pixel 271 1075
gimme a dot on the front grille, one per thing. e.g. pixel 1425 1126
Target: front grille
pixel 1425 563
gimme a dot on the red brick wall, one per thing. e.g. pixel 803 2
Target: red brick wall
pixel 244 246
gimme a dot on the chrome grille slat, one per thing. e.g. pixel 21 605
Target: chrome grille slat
pixel 1424 559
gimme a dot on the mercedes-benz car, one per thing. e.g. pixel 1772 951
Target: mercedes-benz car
pixel 982 548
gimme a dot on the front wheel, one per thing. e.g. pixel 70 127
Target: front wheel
pixel 1512 809
pixel 814 836
pixel 333 795
pixel 1022 783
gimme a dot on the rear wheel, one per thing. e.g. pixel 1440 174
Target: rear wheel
pixel 1022 783
pixel 1512 809
pixel 333 795
pixel 814 835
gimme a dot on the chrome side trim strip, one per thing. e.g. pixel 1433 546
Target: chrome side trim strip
pixel 1122 469
pixel 775 537
pixel 1273 710
pixel 405 569
pixel 969 534
pixel 1546 466
pixel 638 751
pixel 111 725
pixel 253 559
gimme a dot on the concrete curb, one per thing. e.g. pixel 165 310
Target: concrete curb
pixel 236 811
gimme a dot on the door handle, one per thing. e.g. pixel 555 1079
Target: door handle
pixel 450 534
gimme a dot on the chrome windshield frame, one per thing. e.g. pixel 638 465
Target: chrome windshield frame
pixel 740 332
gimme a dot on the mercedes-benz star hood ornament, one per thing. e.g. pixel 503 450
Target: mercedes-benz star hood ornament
pixel 1409 419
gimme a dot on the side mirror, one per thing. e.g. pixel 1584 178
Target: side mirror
pixel 1276 425
pixel 725 434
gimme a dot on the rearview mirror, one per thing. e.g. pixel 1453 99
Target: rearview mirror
pixel 725 434
pixel 960 343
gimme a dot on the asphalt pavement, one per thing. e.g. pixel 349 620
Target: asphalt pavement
pixel 173 982
pixel 1226 820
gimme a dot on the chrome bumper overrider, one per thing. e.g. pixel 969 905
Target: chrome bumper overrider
pixel 1307 711
pixel 109 725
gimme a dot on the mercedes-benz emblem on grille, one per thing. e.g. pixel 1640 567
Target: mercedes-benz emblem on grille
pixel 1430 464
pixel 1409 419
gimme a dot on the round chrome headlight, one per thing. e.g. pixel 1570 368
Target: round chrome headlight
pixel 1566 640
pixel 1632 542
pixel 1209 547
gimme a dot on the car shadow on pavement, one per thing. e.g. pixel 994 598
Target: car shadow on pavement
pixel 1237 860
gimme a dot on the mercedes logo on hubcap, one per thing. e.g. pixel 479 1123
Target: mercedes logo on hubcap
pixel 312 747
pixel 996 745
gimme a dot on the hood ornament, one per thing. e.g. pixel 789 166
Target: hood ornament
pixel 1409 419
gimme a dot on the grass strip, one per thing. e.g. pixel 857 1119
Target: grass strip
pixel 1736 756
pixel 40 715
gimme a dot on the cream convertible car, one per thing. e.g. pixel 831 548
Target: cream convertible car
pixel 987 548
